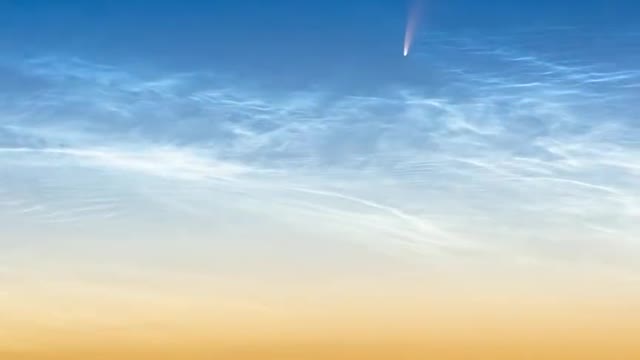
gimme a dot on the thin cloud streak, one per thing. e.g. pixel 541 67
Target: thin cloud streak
pixel 537 158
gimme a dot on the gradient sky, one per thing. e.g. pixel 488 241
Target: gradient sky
pixel 290 142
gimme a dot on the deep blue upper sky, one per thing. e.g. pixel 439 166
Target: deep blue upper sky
pixel 291 40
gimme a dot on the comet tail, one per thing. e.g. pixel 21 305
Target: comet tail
pixel 412 24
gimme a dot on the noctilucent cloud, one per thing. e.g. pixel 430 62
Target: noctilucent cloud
pixel 174 132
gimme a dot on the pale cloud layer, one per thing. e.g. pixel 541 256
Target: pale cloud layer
pixel 514 156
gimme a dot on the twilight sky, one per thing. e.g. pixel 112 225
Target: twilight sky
pixel 290 141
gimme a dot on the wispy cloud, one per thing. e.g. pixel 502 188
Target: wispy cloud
pixel 520 153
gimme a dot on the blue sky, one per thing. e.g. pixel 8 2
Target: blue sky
pixel 508 135
pixel 328 38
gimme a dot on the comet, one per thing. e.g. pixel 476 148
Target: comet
pixel 413 20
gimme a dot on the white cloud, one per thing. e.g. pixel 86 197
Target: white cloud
pixel 521 162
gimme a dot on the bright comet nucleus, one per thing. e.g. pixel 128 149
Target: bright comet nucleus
pixel 412 24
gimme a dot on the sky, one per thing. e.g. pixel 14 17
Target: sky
pixel 270 158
